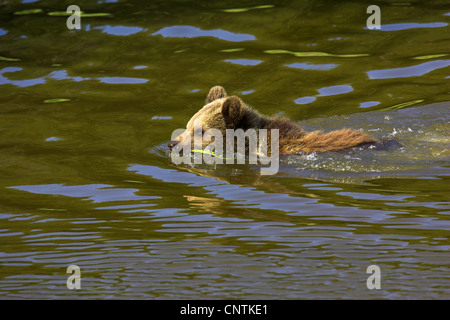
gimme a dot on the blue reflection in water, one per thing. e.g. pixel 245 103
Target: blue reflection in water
pixel 413 71
pixel 412 25
pixel 326 91
pixel 94 192
pixel 232 192
pixel 120 30
pixel 253 198
pixel 18 83
pixel 312 66
pixel 62 75
pixel 162 118
pixel 305 100
pixel 244 62
pixel 193 32
pixel 369 104
pixel 334 90
pixel 53 139
pixel 121 80
pixel 3 32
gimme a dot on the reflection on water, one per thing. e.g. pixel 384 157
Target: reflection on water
pixel 326 91
pixel 406 26
pixel 120 30
pixel 193 32
pixel 86 116
pixel 62 75
pixel 244 62
pixel 96 193
pixel 310 66
pixel 413 71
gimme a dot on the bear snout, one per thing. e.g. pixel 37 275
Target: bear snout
pixel 173 143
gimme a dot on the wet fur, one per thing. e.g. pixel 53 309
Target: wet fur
pixel 223 112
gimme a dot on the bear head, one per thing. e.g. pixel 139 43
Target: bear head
pixel 221 112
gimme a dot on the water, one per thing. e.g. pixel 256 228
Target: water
pixel 85 177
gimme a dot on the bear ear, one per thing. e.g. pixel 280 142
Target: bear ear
pixel 232 110
pixel 215 93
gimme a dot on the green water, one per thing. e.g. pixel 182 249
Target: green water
pixel 86 178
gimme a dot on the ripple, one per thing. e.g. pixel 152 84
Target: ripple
pixel 235 10
pixel 28 11
pixel 161 118
pixel 127 206
pixel 334 90
pixel 374 196
pixel 194 32
pixel 94 192
pixel 62 75
pixel 249 197
pixel 122 80
pixel 53 139
pixel 305 100
pixel 369 104
pixel 120 30
pixel 311 66
pixel 431 56
pixel 9 59
pixel 413 71
pixel 412 25
pixel 244 62
pixel 19 83
pixel 325 91
pixel 317 54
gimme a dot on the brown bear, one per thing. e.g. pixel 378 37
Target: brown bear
pixel 223 112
